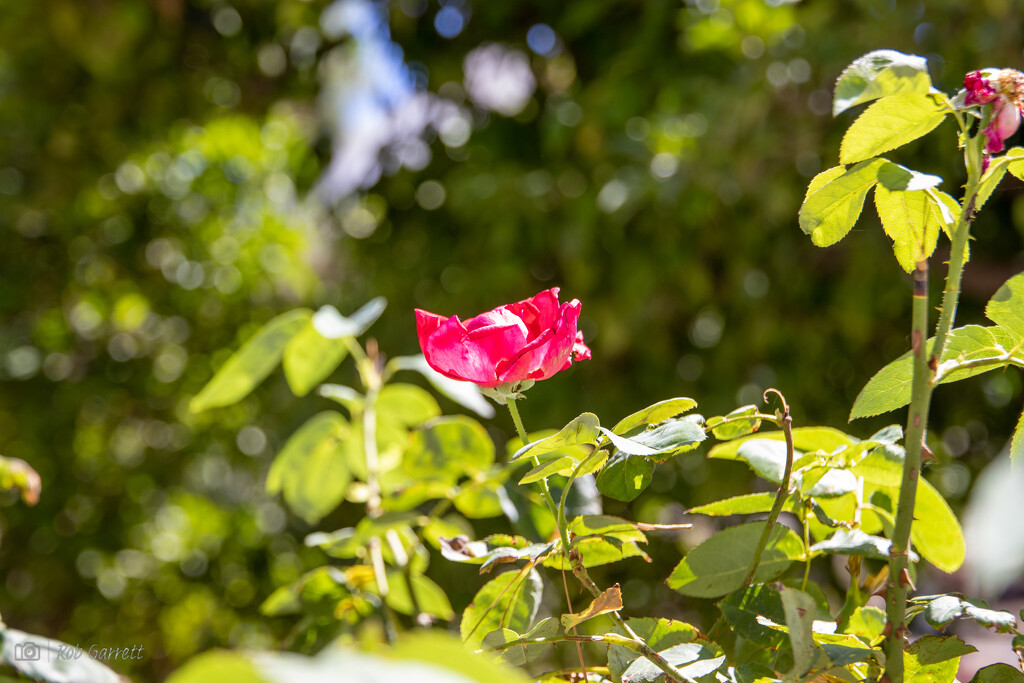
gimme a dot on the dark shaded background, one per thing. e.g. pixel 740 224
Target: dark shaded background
pixel 157 166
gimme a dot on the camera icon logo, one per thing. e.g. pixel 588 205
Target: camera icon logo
pixel 26 652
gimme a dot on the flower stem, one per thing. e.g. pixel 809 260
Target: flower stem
pixel 563 530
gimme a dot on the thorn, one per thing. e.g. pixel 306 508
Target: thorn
pixel 905 579
pixel 927 455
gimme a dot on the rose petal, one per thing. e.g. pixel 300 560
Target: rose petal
pixel 1005 121
pixel 547 354
pixel 472 355
pixel 538 313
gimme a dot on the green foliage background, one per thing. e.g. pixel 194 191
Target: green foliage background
pixel 156 163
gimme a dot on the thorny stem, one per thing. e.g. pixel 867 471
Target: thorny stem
pixel 923 383
pixel 786 422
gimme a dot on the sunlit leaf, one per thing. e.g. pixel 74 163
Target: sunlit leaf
pixel 934 659
pixel 880 73
pixel 509 600
pixel 890 123
pixel 653 414
pixel 718 565
pixel 831 211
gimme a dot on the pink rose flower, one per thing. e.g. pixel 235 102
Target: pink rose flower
pixel 1003 89
pixel 528 340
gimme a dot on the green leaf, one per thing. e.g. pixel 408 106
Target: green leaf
pixel 934 659
pixel 480 499
pixel 990 180
pixel 890 388
pixel 333 325
pixel 407 403
pixel 653 414
pixel 897 178
pixel 250 365
pixel 945 608
pixel 625 476
pixel 582 429
pixel 799 608
pixel 766 457
pixel 692 660
pixel 562 466
pixel 448 448
pixel 509 600
pixel 1006 307
pixel 1017 443
pixel 668 438
pixel 601 539
pixel 522 653
pixel 448 661
pixel 218 666
pixel 856 542
pixel 46 659
pixel 912 221
pixel 806 439
pixel 311 469
pixel 867 623
pixel 466 394
pixel 718 565
pixel 739 505
pixel 746 609
pixel 936 532
pixel 826 482
pixel 309 358
pixel 734 426
pixel 890 123
pixel 880 73
pixel 430 598
pixel 660 634
pixel 832 209
pixel 998 673
pixel 1015 162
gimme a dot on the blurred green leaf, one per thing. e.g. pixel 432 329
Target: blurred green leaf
pixel 449 447
pixel 310 469
pixel 18 475
pixel 248 366
pixel 430 598
pixel 309 358
pixel 333 325
pixel 1006 308
pixel 466 394
pixel 407 404
pixel 220 666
